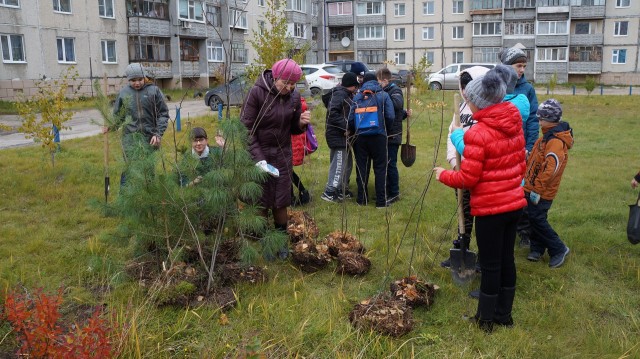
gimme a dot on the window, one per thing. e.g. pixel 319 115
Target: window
pixel 370 8
pixel 215 51
pixel 337 33
pixel 552 54
pixel 10 3
pixel 12 48
pixel 428 8
pixel 296 5
pixel 189 50
pixel 552 27
pixel 149 8
pixel 370 32
pixel 105 8
pixel 457 57
pixel 585 53
pixel 261 3
pixel 314 9
pixel 486 54
pixel 142 48
pixel 297 30
pixel 487 28
pixel 428 33
pixel 261 27
pixel 191 10
pixel 430 56
pixel 66 49
pixel 314 33
pixel 399 34
pixel 108 51
pixel 399 58
pixel 458 7
pixel 520 28
pixel 583 28
pixel 238 52
pixel 619 56
pixel 238 19
pixel 621 28
pixel 62 6
pixel 517 4
pixel 622 3
pixel 399 9
pixel 214 15
pixel 340 8
pixel 486 4
pixel 458 33
pixel 372 56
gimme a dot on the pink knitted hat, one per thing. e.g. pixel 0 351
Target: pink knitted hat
pixel 286 69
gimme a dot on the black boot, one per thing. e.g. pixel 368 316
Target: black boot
pixel 503 306
pixel 305 196
pixel 486 311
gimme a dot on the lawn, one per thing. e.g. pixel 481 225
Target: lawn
pixel 52 236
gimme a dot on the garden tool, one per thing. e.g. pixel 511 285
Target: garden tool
pixel 408 151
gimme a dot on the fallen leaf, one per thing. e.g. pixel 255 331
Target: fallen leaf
pixel 223 320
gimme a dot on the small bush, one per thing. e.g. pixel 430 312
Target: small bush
pixel 589 84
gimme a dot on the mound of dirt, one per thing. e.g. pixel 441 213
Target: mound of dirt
pixel 339 241
pixel 384 315
pixel 353 263
pixel 414 291
pixel 310 256
pixel 301 226
pixel 232 273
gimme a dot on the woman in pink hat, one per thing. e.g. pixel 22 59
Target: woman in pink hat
pixel 272 113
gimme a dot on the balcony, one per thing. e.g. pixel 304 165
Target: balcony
pixel 149 26
pixel 160 70
pixel 341 20
pixel 553 6
pixel 190 68
pixel 370 19
pixel 487 41
pixel 587 39
pixel 583 67
pixel 337 46
pixel 519 14
pixel 587 12
pixel 552 40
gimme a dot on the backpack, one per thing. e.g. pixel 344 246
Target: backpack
pixel 366 113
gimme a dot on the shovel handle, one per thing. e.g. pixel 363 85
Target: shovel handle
pixel 456 111
pixel 408 104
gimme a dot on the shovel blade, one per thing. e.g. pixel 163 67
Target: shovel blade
pixel 463 265
pixel 407 154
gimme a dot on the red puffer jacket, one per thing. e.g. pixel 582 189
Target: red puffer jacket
pixel 494 161
pixel 298 141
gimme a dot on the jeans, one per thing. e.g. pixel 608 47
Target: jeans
pixel 543 237
pixel 339 170
pixel 374 148
pixel 393 177
pixel 496 235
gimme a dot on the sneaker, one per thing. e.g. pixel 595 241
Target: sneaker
pixel 347 195
pixel 534 256
pixel 557 260
pixel 446 263
pixel 394 199
pixel 330 197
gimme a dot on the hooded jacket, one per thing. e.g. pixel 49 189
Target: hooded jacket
pixel 531 124
pixel 395 131
pixel 386 114
pixel 338 117
pixel 147 108
pixel 548 160
pixel 494 162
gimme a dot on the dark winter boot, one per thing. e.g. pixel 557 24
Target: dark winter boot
pixel 486 311
pixel 305 196
pixel 504 306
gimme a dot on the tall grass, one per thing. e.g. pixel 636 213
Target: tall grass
pixel 51 236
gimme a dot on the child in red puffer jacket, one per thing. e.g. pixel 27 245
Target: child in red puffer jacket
pixel 298 145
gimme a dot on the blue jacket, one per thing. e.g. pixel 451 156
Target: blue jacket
pixel 386 113
pixel 530 126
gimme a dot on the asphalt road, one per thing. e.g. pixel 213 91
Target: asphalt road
pixel 89 123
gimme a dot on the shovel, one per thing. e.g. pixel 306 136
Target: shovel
pixel 408 151
pixel 463 261
pixel 106 150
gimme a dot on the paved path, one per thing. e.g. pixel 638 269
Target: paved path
pixel 89 123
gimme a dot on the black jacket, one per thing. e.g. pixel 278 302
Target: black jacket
pixel 395 132
pixel 337 117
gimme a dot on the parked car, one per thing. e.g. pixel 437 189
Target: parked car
pixel 345 65
pixel 321 78
pixel 238 88
pixel 448 77
pixel 400 78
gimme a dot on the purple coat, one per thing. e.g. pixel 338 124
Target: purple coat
pixel 271 120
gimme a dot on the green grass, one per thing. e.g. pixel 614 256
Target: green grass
pixel 51 236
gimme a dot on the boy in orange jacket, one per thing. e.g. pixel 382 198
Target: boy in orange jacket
pixel 545 166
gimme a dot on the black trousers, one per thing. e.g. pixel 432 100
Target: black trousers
pixel 372 148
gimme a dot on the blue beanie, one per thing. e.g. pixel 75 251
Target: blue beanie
pixel 358 68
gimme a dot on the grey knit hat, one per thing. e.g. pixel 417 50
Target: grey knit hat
pixel 550 111
pixel 508 75
pixel 511 55
pixel 485 91
pixel 135 71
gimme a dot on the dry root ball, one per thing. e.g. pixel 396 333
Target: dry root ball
pixel 339 241
pixel 231 273
pixel 301 226
pixel 144 271
pixel 414 291
pixel 310 256
pixel 224 298
pixel 353 263
pixel 384 315
pixel 228 251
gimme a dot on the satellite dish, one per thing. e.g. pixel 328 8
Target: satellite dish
pixel 345 42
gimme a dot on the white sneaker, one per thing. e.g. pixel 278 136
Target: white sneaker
pixel 263 165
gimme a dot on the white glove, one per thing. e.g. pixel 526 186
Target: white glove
pixel 534 197
pixel 263 165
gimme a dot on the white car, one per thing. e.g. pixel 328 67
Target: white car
pixel 322 77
